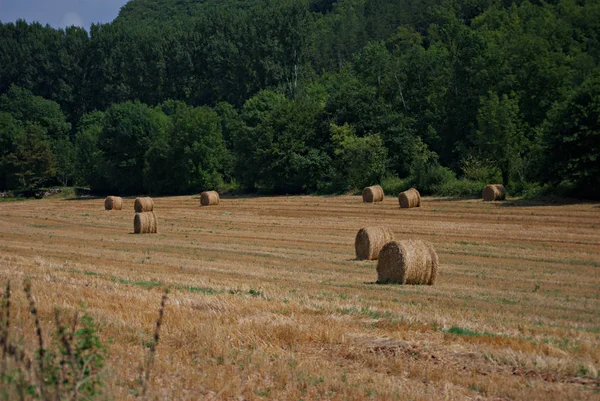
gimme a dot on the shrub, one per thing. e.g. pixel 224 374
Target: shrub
pixel 461 188
pixel 429 179
pixel 426 173
pixel 358 161
pixel 480 170
pixel 68 368
pixel 393 185
pixel 71 367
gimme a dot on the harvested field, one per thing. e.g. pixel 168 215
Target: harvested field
pixel 267 301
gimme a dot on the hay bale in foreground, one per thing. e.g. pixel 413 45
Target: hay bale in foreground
pixel 407 262
pixel 144 204
pixel 409 198
pixel 494 192
pixel 113 203
pixel 209 198
pixel 373 194
pixel 370 240
pixel 145 223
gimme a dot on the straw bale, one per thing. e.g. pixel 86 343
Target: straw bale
pixel 494 192
pixel 409 198
pixel 373 194
pixel 145 223
pixel 407 262
pixel 370 240
pixel 209 198
pixel 144 204
pixel 113 203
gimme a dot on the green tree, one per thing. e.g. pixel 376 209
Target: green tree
pixel 358 161
pixel 128 132
pixel 47 116
pixel 65 156
pixel 276 147
pixel 28 108
pixel 191 155
pixel 9 131
pixel 426 173
pixel 88 158
pixel 501 133
pixel 353 102
pixel 573 139
pixel 32 162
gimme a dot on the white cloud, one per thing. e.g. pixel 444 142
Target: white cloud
pixel 72 18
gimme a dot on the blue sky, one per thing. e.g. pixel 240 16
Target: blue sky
pixel 61 13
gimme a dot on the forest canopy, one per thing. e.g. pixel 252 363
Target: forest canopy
pixel 307 96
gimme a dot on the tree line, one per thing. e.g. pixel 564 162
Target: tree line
pixel 304 96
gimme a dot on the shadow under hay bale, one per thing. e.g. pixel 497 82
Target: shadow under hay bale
pixel 113 203
pixel 209 198
pixel 409 198
pixel 373 194
pixel 145 223
pixel 494 192
pixel 370 240
pixel 407 262
pixel 144 204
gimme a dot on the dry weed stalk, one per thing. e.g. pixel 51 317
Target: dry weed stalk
pixel 66 341
pixel 152 351
pixel 38 332
pixel 11 350
pixel 6 320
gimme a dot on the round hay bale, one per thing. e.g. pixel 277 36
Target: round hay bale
pixel 494 192
pixel 145 223
pixel 409 198
pixel 407 262
pixel 370 240
pixel 113 203
pixel 209 198
pixel 144 204
pixel 373 194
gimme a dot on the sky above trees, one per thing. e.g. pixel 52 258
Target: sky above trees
pixel 61 13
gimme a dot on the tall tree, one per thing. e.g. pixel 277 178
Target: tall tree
pixel 32 162
pixel 573 139
pixel 501 132
pixel 128 132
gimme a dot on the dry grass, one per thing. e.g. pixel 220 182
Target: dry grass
pixel 267 301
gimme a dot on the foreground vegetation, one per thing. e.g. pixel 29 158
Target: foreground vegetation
pixel 307 96
pixel 267 301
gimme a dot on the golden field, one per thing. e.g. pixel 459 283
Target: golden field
pixel 267 302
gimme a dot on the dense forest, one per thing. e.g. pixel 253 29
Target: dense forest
pixel 307 96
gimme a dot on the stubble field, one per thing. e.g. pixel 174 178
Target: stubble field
pixel 267 302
